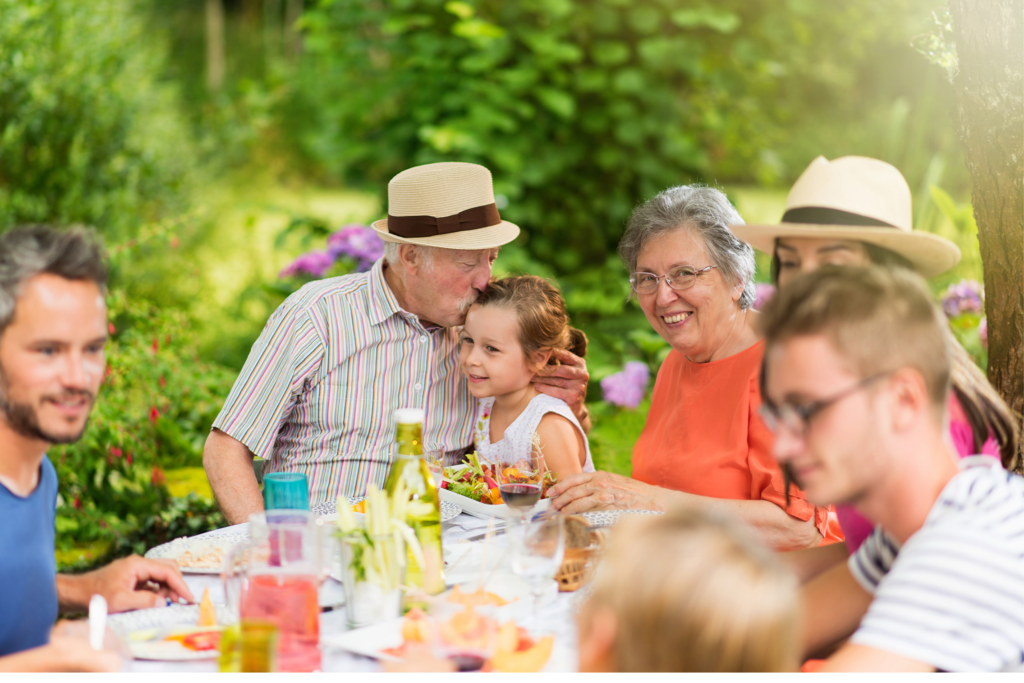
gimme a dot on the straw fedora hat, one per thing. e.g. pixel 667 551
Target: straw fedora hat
pixel 855 198
pixel 448 205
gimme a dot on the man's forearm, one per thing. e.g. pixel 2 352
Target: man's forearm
pixel 810 562
pixel 228 465
pixel 833 605
pixel 72 593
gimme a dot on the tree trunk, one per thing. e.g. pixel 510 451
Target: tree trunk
pixel 215 57
pixel 293 10
pixel 989 117
pixel 271 32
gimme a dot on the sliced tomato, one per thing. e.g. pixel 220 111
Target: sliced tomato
pixel 205 640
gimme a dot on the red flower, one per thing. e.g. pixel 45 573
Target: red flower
pixel 115 451
pixel 77 503
pixel 156 344
pixel 129 456
pixel 110 326
pixel 162 381
pixel 154 414
pixel 157 476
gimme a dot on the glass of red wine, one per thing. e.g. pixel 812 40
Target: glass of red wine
pixel 521 483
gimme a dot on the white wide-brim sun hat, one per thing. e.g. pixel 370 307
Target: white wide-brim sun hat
pixel 855 198
pixel 448 205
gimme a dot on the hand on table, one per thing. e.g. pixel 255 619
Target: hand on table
pixel 134 583
pixel 75 654
pixel 68 650
pixel 587 491
pixel 567 381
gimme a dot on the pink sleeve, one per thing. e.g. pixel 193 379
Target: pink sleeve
pixel 963 436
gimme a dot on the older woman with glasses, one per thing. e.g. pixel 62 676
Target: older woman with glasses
pixel 703 443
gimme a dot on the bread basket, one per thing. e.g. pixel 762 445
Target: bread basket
pixel 582 553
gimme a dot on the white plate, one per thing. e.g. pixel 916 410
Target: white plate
pixel 126 623
pixel 604 518
pixel 219 539
pixel 478 509
pixel 368 641
pixel 449 511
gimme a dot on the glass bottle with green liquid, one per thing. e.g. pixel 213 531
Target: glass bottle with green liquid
pixel 424 510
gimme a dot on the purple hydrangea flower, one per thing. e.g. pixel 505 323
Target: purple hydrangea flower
pixel 962 297
pixel 627 388
pixel 983 332
pixel 764 292
pixel 315 263
pixel 358 242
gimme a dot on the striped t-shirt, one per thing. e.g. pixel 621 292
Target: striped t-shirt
pixel 318 392
pixel 953 595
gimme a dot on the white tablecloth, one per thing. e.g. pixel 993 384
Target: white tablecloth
pixel 463 565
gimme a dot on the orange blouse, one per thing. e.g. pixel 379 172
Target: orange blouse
pixel 704 436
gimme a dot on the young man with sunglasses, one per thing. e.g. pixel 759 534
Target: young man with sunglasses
pixel 856 378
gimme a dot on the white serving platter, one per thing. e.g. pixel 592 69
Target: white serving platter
pixel 220 541
pixel 138 628
pixel 483 511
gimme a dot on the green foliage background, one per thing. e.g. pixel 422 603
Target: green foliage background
pixel 90 133
pixel 581 109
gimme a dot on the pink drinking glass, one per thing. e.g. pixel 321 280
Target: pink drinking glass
pixel 274 577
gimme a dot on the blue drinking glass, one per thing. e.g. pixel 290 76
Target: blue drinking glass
pixel 285 491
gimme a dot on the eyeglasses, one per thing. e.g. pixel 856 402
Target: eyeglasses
pixel 797 418
pixel 682 277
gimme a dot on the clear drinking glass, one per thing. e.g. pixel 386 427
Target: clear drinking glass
pixel 538 548
pixel 435 463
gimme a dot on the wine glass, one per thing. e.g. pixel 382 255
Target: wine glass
pixel 538 548
pixel 521 483
pixel 435 463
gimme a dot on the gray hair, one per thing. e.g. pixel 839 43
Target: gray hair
pixel 707 212
pixel 391 254
pixel 30 250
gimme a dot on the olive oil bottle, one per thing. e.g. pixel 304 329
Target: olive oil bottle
pixel 424 508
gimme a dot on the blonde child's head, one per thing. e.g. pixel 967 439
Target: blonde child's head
pixel 511 331
pixel 689 591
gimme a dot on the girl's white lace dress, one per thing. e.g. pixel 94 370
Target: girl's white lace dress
pixel 517 443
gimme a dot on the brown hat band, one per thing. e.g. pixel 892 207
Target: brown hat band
pixel 819 215
pixel 428 226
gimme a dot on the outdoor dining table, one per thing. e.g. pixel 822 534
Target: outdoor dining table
pixel 557 614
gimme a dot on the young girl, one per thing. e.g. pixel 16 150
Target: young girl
pixel 509 335
pixel 688 591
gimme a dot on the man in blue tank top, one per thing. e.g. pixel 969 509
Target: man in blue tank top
pixel 53 332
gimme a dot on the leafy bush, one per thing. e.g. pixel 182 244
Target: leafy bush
pixel 153 412
pixel 579 107
pixel 87 133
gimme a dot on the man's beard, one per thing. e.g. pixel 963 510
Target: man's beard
pixel 22 418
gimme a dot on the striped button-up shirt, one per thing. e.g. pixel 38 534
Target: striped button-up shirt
pixel 318 392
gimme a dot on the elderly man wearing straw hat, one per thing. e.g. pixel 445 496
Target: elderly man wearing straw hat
pixel 319 389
